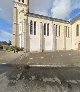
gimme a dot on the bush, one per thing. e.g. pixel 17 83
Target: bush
pixel 21 49
pixel 16 49
pixel 11 48
pixel 8 50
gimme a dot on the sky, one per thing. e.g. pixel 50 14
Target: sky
pixel 62 9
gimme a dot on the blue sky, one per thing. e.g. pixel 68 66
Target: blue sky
pixel 63 9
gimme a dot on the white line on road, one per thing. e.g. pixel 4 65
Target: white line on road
pixel 31 58
pixel 48 65
pixel 42 57
pixel 4 63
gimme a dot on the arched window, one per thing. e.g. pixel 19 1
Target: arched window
pixel 56 30
pixel 45 29
pixel 66 30
pixel 34 27
pixel 77 30
pixel 48 29
pixel 59 29
pixel 23 1
pixel 31 27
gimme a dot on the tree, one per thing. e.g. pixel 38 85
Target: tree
pixel 9 43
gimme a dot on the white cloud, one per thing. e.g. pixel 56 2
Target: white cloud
pixel 43 12
pixel 61 8
pixel 4 34
pixel 75 4
pixel 1 9
pixel 40 6
pixel 6 10
pixel 57 8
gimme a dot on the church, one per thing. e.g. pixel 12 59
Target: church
pixel 35 32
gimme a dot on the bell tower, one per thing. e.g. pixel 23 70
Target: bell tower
pixel 21 8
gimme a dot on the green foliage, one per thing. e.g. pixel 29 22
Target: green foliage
pixel 14 48
pixel 17 48
pixel 21 49
pixel 9 43
pixel 11 48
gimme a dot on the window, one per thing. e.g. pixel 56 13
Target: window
pixel 44 29
pixel 19 0
pixel 56 30
pixel 59 29
pixel 31 27
pixel 68 32
pixel 35 28
pixel 47 29
pixel 77 30
pixel 23 1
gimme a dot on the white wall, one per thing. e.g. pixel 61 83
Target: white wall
pixel 75 39
pixel 35 39
pixel 60 42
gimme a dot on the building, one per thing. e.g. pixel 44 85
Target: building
pixel 35 32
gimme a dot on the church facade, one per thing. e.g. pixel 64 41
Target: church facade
pixel 35 32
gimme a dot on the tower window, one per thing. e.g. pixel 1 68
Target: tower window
pixel 23 1
pixel 31 27
pixel 77 30
pixel 35 28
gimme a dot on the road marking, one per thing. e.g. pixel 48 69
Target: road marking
pixel 31 58
pixel 55 65
pixel 69 54
pixel 42 57
pixel 3 63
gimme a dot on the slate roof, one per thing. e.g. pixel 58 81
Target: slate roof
pixel 49 18
pixel 54 19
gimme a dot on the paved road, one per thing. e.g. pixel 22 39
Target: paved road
pixel 9 57
pixel 65 79
pixel 62 58
pixel 54 59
